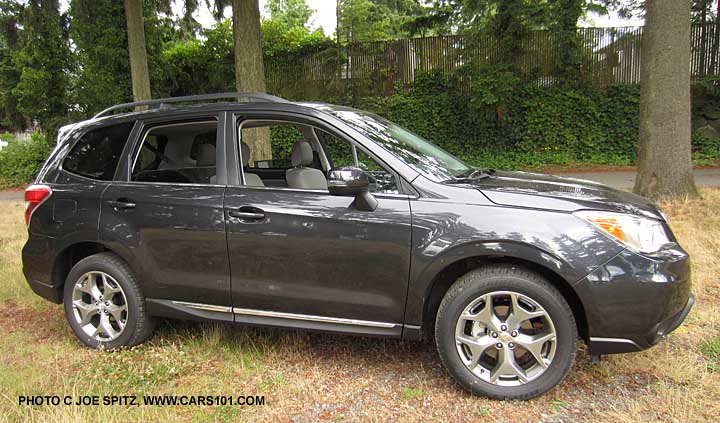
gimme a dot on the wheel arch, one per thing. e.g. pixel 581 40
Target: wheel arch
pixel 70 256
pixel 447 275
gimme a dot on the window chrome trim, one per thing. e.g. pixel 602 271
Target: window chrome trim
pixel 239 122
pixel 320 191
pixel 282 315
pixel 147 129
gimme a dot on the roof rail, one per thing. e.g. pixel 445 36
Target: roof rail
pixel 160 102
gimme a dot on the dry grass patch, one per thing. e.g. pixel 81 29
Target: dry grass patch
pixel 314 377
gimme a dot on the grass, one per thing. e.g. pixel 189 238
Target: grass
pixel 314 377
pixel 711 351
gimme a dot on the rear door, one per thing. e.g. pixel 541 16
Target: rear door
pixel 165 211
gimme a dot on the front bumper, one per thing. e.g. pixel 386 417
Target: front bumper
pixel 633 301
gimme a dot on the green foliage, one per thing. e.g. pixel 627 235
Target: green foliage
pixel 9 74
pixel 278 39
pixel 373 20
pixel 21 160
pixel 99 33
pixel 535 127
pixel 711 350
pixel 43 61
pixel 197 66
pixel 289 13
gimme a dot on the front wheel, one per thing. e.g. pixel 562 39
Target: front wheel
pixel 104 304
pixel 505 333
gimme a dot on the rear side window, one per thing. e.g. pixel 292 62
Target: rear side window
pixel 97 153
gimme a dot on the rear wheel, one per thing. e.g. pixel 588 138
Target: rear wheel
pixel 104 305
pixel 505 333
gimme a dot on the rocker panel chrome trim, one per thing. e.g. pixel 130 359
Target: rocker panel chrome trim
pixel 306 317
pixel 281 315
pixel 206 307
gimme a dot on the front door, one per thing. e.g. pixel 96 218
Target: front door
pixel 302 257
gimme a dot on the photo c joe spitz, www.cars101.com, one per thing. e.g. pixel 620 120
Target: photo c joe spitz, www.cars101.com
pixel 365 229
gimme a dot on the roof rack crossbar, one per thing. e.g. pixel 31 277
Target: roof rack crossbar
pixel 202 97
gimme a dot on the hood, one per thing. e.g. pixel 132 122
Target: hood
pixel 536 190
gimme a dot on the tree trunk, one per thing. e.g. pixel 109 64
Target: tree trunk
pixel 136 48
pixel 249 72
pixel 665 163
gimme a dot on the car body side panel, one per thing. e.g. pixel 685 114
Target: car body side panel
pixel 176 234
pixel 69 216
pixel 315 254
pixel 445 232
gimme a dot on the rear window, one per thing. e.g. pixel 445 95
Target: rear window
pixel 97 153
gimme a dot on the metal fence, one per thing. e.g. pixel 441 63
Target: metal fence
pixel 608 56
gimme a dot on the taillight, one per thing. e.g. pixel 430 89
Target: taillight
pixel 34 196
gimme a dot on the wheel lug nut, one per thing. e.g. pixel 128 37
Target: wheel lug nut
pixel 511 345
pixel 514 333
pixel 499 345
pixel 503 328
pixel 494 335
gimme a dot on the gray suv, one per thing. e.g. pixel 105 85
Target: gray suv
pixel 348 223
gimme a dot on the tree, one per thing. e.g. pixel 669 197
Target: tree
pixel 249 70
pixel 664 162
pixel 366 20
pixel 188 25
pixel 100 37
pixel 290 13
pixel 10 117
pixel 43 61
pixel 137 50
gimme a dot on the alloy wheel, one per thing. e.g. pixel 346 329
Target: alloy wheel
pixel 100 306
pixel 505 338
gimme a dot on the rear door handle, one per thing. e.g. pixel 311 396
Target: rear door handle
pixel 247 213
pixel 121 204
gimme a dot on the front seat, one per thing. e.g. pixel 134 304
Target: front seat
pixel 206 158
pixel 251 179
pixel 300 176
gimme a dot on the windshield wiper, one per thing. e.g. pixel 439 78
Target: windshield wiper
pixel 474 175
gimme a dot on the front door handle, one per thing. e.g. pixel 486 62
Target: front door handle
pixel 247 213
pixel 121 204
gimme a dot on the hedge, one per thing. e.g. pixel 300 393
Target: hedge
pixel 21 159
pixel 530 127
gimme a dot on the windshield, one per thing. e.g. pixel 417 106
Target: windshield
pixel 428 159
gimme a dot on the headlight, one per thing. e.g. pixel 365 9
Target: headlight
pixel 639 233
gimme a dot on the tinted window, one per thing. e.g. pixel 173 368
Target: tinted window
pixel 182 152
pixel 340 153
pixel 97 153
pixel 424 156
pixel 282 137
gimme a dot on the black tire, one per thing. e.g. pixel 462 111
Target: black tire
pixel 138 327
pixel 482 281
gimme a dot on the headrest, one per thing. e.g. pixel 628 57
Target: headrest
pixel 205 155
pixel 245 152
pixel 302 154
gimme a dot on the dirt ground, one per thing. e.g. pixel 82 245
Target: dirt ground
pixel 306 377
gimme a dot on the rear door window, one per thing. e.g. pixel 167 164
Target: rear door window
pixel 178 153
pixel 97 153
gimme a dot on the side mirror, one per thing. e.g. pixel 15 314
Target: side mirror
pixel 352 181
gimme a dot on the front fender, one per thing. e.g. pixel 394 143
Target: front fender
pixel 445 233
pixel 484 250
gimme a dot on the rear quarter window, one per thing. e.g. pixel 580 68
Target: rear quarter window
pixel 97 153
